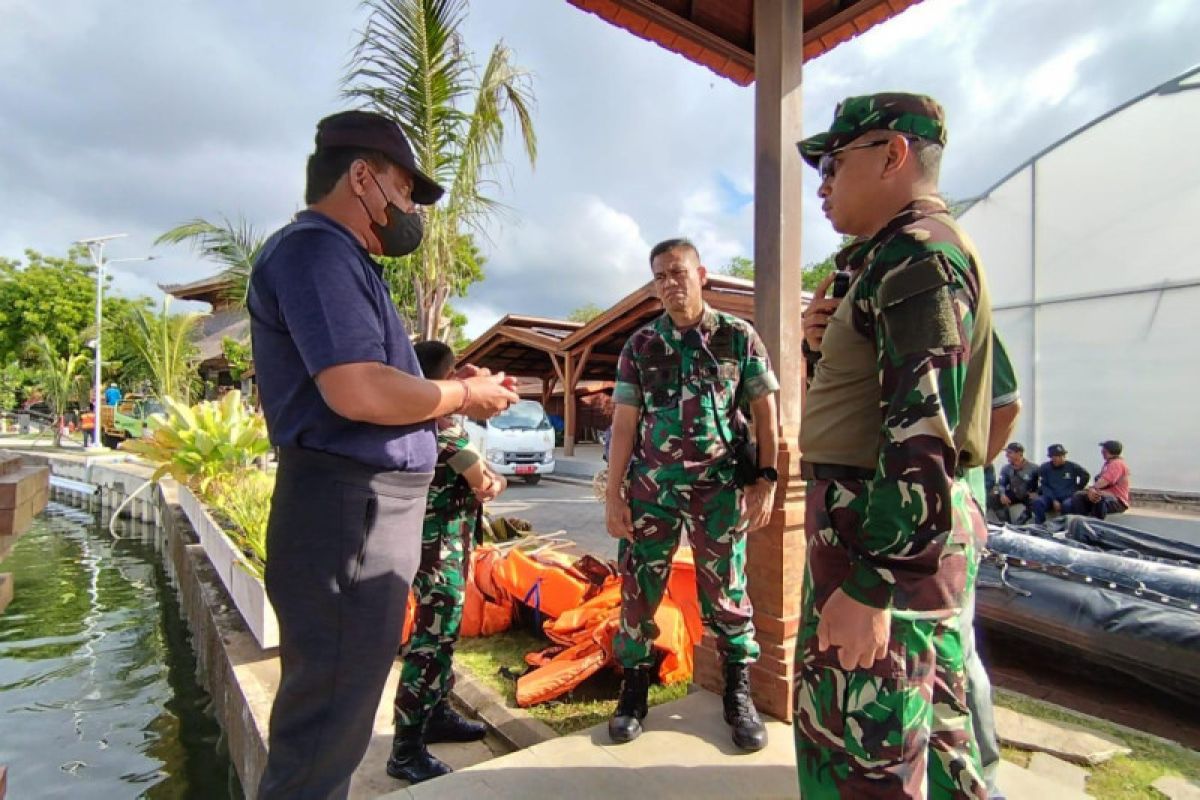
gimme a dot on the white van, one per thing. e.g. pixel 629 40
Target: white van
pixel 519 441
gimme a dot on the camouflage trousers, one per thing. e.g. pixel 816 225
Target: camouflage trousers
pixel 900 729
pixel 705 506
pixel 427 674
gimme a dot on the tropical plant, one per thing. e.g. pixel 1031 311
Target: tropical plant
pixel 412 65
pixel 163 344
pixel 585 313
pixel 52 296
pixel 739 267
pixel 14 380
pixel 237 355
pixel 60 379
pixel 243 499
pixel 197 445
pixel 233 245
pixel 810 277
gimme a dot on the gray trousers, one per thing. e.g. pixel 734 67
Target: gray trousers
pixel 979 700
pixel 343 544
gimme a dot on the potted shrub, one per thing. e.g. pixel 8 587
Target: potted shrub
pixel 210 449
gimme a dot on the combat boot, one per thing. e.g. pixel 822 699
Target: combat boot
pixel 447 725
pixel 626 722
pixel 749 733
pixel 410 760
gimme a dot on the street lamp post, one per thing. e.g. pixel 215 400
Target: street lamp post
pixel 95 247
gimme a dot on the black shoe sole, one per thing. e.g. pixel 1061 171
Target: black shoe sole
pixel 750 747
pixel 617 739
pixel 402 774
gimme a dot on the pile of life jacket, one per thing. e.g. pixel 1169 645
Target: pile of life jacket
pixel 577 602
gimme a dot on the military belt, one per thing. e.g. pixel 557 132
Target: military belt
pixel 834 472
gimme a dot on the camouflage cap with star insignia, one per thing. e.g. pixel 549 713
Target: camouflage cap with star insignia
pixel 914 114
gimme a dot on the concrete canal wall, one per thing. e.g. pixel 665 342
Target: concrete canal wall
pixel 240 677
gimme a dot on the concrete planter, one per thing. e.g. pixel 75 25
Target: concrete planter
pixel 246 588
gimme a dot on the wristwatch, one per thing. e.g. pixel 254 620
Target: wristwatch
pixel 770 473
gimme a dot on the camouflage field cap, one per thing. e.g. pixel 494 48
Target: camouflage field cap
pixel 914 114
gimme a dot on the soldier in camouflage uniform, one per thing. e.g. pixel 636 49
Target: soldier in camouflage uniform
pixel 676 425
pixel 461 484
pixel 896 419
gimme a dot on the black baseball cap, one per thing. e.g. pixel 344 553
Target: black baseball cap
pixel 371 131
pixel 1015 447
pixel 1056 450
pixel 1112 446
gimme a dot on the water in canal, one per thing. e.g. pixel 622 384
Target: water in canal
pixel 98 692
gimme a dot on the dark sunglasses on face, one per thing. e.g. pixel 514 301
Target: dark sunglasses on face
pixel 827 166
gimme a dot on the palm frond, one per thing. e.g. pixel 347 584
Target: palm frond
pixel 233 245
pixel 411 64
pixel 164 343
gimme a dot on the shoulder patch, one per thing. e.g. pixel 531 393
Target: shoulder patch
pixel 918 311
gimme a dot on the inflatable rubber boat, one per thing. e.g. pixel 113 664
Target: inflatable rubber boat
pixel 1111 595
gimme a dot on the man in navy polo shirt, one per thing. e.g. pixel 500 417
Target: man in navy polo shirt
pixel 351 415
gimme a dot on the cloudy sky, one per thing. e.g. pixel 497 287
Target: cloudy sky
pixel 134 116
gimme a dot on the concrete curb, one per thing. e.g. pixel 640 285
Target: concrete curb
pixel 516 727
pixel 574 481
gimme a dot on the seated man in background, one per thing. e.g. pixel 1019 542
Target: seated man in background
pixel 1017 485
pixel 1109 494
pixel 1058 479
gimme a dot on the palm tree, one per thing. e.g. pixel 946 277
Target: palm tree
pixel 412 65
pixel 61 379
pixel 163 343
pixel 234 246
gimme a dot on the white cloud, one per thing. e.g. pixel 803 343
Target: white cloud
pixel 136 116
pixel 586 252
pixel 1058 76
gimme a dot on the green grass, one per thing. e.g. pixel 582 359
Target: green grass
pixel 590 704
pixel 1121 778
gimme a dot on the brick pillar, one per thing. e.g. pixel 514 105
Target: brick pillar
pixel 775 569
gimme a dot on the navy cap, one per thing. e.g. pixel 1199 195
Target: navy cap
pixel 371 131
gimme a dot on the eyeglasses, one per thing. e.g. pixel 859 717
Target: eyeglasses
pixel 827 166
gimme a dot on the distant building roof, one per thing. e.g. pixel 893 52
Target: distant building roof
pixel 214 328
pixel 719 34
pixel 212 290
pixel 532 347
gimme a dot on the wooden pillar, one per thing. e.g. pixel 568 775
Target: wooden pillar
pixel 775 563
pixel 547 390
pixel 568 404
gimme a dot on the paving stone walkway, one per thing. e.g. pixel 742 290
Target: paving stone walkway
pixel 684 753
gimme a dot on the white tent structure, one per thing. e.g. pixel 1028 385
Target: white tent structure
pixel 1093 256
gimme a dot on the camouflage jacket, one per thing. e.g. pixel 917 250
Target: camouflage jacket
pixel 916 298
pixel 685 392
pixel 449 494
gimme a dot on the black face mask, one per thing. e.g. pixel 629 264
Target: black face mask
pixel 403 232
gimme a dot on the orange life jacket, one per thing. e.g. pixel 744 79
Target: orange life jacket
pixel 544 582
pixel 583 637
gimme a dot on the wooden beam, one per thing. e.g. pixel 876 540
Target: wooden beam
pixel 529 339
pixel 628 303
pixel 580 367
pixel 569 405
pixel 557 369
pixel 774 561
pixel 777 201
pixel 689 30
